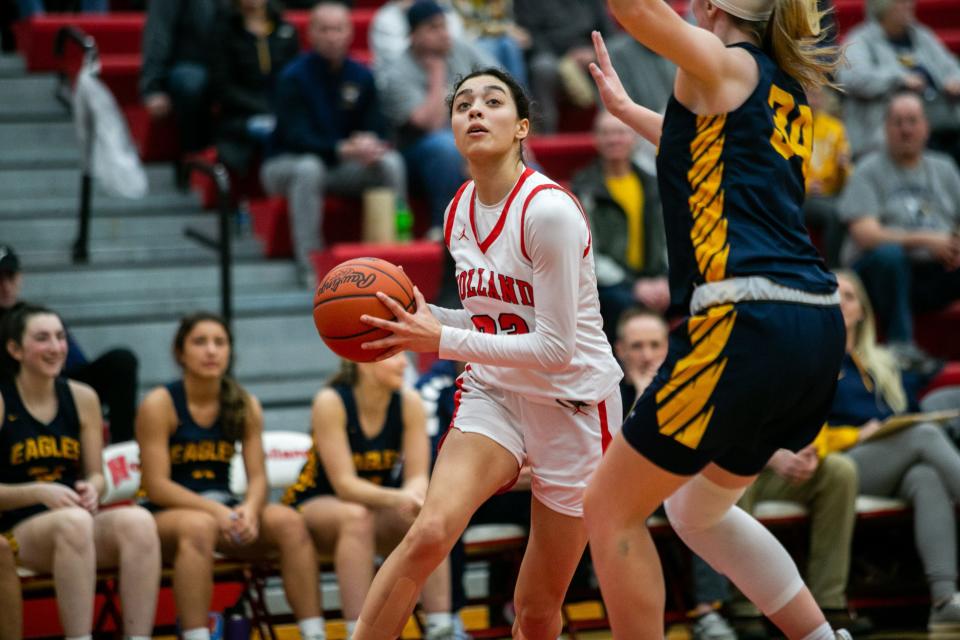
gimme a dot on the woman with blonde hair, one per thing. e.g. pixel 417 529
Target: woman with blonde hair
pixel 918 464
pixel 365 480
pixel 754 367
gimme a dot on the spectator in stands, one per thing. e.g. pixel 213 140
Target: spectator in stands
pixel 889 52
pixel 560 30
pixel 30 8
pixel 51 481
pixel 414 99
pixel 188 431
pixel 254 44
pixel 438 390
pixel 389 34
pixel 174 78
pixel 365 480
pixel 918 464
pixel 330 132
pixel 11 622
pixel 629 244
pixel 902 207
pixel 113 374
pixel 830 167
pixel 494 29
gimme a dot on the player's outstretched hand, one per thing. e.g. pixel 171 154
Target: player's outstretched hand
pixel 418 331
pixel 614 97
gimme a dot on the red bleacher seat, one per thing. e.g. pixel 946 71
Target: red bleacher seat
pixel 949 376
pixel 341 223
pixel 939 333
pixel 122 33
pixel 422 261
pixel 563 154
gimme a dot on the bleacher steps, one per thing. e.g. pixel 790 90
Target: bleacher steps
pixel 281 345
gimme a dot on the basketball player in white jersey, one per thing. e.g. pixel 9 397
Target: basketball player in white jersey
pixel 542 386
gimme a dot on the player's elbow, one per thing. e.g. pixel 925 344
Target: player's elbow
pixel 558 356
pixel 630 11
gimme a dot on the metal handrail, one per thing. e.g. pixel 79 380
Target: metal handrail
pixel 88 44
pixel 223 244
pixel 82 39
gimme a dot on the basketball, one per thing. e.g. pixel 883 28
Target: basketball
pixel 348 291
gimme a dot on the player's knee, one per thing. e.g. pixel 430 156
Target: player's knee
pixel 74 528
pixel 198 534
pixel 429 537
pixel 538 618
pixel 357 521
pixel 288 527
pixel 699 505
pixel 135 528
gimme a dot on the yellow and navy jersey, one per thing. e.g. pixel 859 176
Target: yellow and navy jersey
pixel 31 451
pixel 376 459
pixel 199 456
pixel 732 186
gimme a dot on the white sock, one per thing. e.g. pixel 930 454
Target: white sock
pixel 86 637
pixel 439 620
pixel 823 632
pixel 199 633
pixel 136 637
pixel 312 628
pixel 351 626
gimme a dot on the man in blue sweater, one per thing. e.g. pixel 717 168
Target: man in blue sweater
pixel 329 134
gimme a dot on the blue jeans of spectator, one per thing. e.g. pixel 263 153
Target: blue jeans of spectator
pixel 709 586
pixel 31 7
pixel 614 300
pixel 187 84
pixel 508 54
pixel 898 285
pixel 435 164
pixel 887 277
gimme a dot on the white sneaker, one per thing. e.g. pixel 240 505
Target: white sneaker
pixel 712 626
pixel 945 617
pixel 843 634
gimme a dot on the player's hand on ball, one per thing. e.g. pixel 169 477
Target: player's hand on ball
pixel 418 331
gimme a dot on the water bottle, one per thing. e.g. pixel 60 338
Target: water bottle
pixel 215 624
pixel 243 220
pixel 404 222
pixel 237 627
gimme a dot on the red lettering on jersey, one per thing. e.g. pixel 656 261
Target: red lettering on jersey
pixel 471 289
pixel 480 290
pixel 492 288
pixel 526 293
pixel 507 291
pixel 462 284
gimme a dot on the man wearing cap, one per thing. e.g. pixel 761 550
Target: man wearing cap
pixel 414 100
pixel 113 375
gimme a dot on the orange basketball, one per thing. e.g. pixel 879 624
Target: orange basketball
pixel 348 291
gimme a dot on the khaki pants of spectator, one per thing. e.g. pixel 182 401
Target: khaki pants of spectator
pixel 830 497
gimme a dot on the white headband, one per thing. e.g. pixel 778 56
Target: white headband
pixel 751 10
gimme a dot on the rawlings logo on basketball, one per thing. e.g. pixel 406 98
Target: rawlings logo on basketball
pixel 334 280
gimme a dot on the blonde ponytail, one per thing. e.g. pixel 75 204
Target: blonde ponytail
pixel 794 38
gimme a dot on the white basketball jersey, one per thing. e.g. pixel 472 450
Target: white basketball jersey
pixel 500 291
